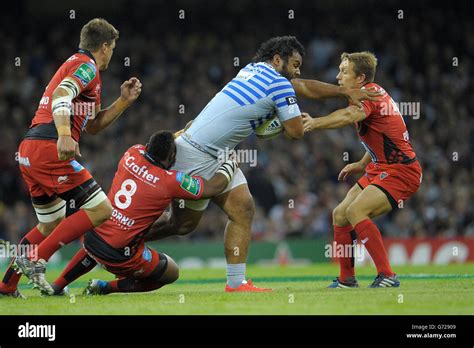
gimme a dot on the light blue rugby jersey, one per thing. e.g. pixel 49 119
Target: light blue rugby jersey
pixel 252 97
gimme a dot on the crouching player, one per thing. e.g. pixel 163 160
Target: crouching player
pixel 392 171
pixel 142 189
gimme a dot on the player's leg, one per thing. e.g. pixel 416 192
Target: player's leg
pixel 50 211
pixel 239 207
pixel 95 208
pixel 164 271
pixel 370 203
pixel 344 237
pixel 80 264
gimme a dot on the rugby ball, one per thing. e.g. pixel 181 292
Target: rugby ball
pixel 269 129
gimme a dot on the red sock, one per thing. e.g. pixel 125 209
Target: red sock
pixel 342 236
pixel 370 236
pixel 68 230
pixel 79 265
pixel 11 278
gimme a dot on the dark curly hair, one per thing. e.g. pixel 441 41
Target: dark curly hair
pixel 160 145
pixel 282 45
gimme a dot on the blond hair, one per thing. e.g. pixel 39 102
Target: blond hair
pixel 97 32
pixel 363 63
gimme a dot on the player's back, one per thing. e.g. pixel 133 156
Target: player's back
pixel 253 96
pixel 84 78
pixel 384 133
pixel 138 194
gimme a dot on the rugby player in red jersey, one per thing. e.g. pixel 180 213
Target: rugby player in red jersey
pixel 392 171
pixel 143 187
pixel 70 104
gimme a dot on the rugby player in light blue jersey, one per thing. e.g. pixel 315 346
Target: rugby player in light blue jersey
pixel 261 90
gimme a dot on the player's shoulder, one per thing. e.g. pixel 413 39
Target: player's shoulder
pixel 375 87
pixel 264 70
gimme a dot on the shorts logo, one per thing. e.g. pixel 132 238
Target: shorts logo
pixel 383 175
pixel 85 73
pixel 24 161
pixel 291 100
pixel 188 183
pixel 146 255
pixel 62 179
pixel 76 166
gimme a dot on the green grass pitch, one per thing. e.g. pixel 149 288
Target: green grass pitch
pixel 297 290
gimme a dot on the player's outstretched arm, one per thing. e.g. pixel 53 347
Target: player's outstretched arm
pixel 294 128
pixel 315 89
pixel 338 119
pixel 218 183
pixel 129 92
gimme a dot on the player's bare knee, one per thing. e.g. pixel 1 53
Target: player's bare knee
pixel 244 212
pixel 339 216
pixel 354 214
pixel 100 213
pixel 47 227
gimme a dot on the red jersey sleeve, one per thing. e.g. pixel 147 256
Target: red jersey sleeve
pixel 84 75
pixel 181 185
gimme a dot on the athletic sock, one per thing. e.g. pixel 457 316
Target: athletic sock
pixel 371 237
pixel 235 274
pixel 11 278
pixel 79 265
pixel 343 239
pixel 68 230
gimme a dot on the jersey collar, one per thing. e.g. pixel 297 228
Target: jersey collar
pixel 87 53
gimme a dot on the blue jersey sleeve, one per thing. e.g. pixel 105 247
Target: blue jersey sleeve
pixel 283 95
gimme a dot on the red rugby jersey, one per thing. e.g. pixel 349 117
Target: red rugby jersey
pixel 80 67
pixel 383 133
pixel 140 193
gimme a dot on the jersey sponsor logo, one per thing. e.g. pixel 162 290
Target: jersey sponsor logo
pixel 383 175
pixel 76 166
pixel 122 219
pixel 85 73
pixel 139 171
pixel 291 100
pixel 188 183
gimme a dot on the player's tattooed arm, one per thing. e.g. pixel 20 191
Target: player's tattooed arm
pixel 129 92
pixel 315 89
pixel 337 119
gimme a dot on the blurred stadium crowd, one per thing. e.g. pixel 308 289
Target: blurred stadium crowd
pixel 182 63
